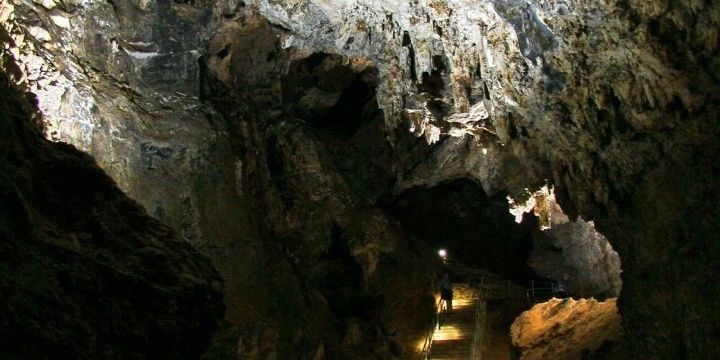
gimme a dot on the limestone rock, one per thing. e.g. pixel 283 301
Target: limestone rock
pixel 565 329
pixel 572 252
pixel 613 102
pixel 85 272
pixel 575 253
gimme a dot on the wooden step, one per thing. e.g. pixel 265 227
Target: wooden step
pixel 452 341
pixel 459 355
pixel 451 349
pixel 442 354
pixel 457 327
pixel 464 356
pixel 450 353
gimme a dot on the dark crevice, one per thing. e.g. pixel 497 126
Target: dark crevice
pixel 271 56
pixel 413 71
pixel 338 276
pixel 332 98
pixel 278 171
pixel 406 39
pixel 224 52
pixel 432 83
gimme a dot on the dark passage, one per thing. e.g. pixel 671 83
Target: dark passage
pixel 474 228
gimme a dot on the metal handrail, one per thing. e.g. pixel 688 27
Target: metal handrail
pixel 436 324
pixel 550 287
pixel 477 331
pixel 483 283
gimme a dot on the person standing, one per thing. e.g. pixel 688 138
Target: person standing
pixel 446 292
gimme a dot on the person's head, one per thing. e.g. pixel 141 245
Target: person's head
pixel 446 276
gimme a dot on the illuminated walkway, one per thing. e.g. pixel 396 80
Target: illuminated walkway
pixel 456 336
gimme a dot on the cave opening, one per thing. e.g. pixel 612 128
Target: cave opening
pixel 550 261
pixel 475 228
pixel 570 251
pixel 335 96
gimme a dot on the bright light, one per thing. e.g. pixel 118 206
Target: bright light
pixel 450 332
pixel 442 253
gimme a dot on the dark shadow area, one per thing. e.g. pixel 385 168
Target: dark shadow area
pixel 277 164
pixel 336 98
pixel 474 228
pixel 338 276
pixel 499 317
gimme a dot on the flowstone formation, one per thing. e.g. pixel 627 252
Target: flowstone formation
pixel 84 271
pixel 193 109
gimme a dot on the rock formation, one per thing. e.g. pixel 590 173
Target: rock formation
pixel 575 253
pixel 227 121
pixel 84 271
pixel 572 252
pixel 566 329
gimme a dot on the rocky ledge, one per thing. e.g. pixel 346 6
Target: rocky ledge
pixel 566 329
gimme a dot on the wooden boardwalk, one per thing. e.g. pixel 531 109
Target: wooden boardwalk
pixel 454 339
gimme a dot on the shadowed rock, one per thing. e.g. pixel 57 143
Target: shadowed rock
pixel 84 271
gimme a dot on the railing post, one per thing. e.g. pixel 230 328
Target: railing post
pixel 436 325
pixel 482 284
pixel 532 287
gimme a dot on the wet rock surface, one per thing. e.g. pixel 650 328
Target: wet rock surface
pixel 84 271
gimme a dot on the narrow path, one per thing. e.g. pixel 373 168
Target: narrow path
pixel 461 334
pixel 456 336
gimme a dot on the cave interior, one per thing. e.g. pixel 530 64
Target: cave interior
pixel 260 180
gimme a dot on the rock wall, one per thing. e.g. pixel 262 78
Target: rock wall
pixel 572 252
pixel 313 209
pixel 575 253
pixel 613 102
pixel 121 82
pixel 84 272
